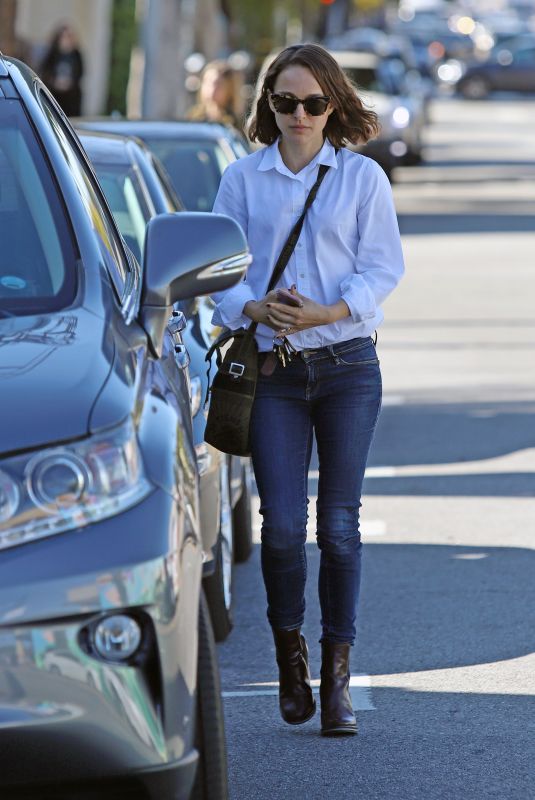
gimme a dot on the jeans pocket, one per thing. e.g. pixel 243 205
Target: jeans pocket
pixel 358 356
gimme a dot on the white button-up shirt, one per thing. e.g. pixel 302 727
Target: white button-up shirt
pixel 349 247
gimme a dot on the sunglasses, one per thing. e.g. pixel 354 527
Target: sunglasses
pixel 314 104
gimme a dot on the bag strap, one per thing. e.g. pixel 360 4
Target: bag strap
pixel 292 239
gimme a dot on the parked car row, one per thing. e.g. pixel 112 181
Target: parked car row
pixel 135 195
pixel 108 669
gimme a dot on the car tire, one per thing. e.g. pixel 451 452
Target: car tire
pixel 243 521
pixel 211 781
pixel 219 585
pixel 475 88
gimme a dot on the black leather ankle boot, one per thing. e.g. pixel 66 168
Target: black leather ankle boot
pixel 296 701
pixel 337 715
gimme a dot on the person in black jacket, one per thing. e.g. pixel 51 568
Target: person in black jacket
pixel 62 70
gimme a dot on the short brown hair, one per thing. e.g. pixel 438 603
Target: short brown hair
pixel 349 122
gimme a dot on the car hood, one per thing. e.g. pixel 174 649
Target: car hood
pixel 52 368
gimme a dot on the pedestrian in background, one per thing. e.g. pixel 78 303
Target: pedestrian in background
pixel 219 98
pixel 327 303
pixel 62 70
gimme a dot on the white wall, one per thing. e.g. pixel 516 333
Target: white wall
pixel 91 19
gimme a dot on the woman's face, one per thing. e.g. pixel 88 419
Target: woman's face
pixel 300 127
pixel 215 88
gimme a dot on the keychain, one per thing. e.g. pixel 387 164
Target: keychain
pixel 284 350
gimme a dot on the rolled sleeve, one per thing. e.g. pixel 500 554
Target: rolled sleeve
pixel 379 259
pixel 229 306
pixel 230 200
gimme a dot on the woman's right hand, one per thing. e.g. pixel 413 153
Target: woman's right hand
pixel 259 310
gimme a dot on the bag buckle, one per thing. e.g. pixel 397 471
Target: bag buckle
pixel 236 370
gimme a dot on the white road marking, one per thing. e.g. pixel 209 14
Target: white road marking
pixel 371 472
pixel 393 400
pixel 359 689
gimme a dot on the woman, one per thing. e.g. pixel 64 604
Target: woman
pixel 347 260
pixel 219 98
pixel 62 70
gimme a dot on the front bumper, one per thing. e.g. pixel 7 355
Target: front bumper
pixel 65 713
pixel 174 781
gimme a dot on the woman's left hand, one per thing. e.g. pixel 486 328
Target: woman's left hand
pixel 309 314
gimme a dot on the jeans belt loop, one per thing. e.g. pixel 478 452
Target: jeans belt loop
pixel 333 355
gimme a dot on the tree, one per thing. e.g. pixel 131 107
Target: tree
pixel 168 36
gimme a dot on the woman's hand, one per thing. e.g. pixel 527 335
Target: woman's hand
pixel 287 319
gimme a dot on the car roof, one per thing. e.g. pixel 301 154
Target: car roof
pixel 108 148
pixel 348 58
pixel 172 129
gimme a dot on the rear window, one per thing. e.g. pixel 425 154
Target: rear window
pixel 195 169
pixel 37 257
pixel 127 203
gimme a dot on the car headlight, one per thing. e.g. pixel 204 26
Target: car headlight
pixel 401 117
pixel 62 488
pixel 196 394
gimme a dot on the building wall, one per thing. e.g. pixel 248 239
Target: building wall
pixel 91 19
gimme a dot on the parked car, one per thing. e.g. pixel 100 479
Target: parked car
pixel 402 116
pixel 101 554
pixel 195 154
pixel 515 73
pixel 224 480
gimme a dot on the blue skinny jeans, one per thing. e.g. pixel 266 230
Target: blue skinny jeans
pixel 334 392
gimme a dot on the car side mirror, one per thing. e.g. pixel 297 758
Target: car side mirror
pixel 187 255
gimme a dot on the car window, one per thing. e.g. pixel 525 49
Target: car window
pixel 125 197
pixel 103 226
pixel 366 78
pixel 195 169
pixel 524 56
pixel 37 254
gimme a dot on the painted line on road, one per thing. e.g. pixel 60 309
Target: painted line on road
pixel 371 472
pixel 359 689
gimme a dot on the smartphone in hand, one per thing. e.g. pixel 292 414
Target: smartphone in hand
pixel 286 297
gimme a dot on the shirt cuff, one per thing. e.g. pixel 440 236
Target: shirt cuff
pixel 229 310
pixel 359 299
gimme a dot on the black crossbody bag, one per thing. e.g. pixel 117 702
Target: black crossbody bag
pixel 234 385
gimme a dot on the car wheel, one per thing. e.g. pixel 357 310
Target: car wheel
pixel 218 586
pixel 475 88
pixel 211 781
pixel 243 521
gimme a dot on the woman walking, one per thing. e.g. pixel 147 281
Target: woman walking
pixel 327 381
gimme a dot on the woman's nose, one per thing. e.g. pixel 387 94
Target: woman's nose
pixel 300 111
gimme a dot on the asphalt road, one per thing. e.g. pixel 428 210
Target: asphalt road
pixel 444 665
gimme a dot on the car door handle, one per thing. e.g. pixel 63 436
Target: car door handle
pixel 176 325
pixel 182 356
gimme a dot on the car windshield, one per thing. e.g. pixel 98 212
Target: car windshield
pixel 127 201
pixel 194 167
pixel 367 79
pixel 37 256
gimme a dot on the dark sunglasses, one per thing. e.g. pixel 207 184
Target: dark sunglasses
pixel 314 104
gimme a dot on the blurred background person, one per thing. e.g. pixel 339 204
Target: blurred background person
pixel 62 70
pixel 220 97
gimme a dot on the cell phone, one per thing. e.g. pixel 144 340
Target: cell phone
pixel 286 297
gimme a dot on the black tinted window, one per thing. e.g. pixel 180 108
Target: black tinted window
pixel 37 256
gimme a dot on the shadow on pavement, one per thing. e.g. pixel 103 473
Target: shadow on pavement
pixel 410 224
pixel 423 608
pixel 446 433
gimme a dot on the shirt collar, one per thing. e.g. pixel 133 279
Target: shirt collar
pixel 272 159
